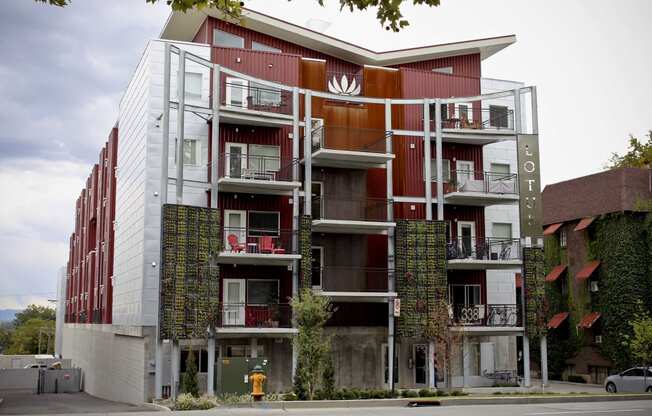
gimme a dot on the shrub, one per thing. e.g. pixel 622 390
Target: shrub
pixel 458 393
pixel 409 394
pixel 187 401
pixel 232 398
pixel 189 382
pixel 427 393
pixel 290 397
pixel 441 393
pixel 573 378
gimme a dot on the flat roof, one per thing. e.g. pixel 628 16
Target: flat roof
pixel 183 27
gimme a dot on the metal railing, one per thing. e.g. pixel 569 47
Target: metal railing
pixel 253 167
pixel 343 83
pixel 246 95
pixel 352 279
pixel 485 315
pixel 485 182
pixel 246 240
pixel 454 117
pixel 491 249
pixel 334 207
pixel 351 139
pixel 249 315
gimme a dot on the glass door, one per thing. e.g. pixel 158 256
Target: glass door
pixel 420 364
pixel 235 160
pixel 464 174
pixel 317 190
pixel 234 302
pixel 466 238
pixel 317 267
pixel 235 230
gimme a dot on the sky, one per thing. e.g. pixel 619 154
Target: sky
pixel 63 71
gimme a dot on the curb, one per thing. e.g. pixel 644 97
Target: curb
pixel 348 404
pixel 157 407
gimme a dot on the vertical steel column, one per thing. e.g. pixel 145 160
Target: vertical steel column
pixel 438 157
pixel 210 377
pixel 174 371
pixel 466 362
pixel 165 153
pixel 296 138
pixel 517 111
pixel 544 361
pixel 215 136
pixel 307 155
pixel 391 282
pixel 427 155
pixel 535 113
pixel 181 109
pixel 526 359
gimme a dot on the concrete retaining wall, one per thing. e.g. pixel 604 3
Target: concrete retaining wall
pixel 114 366
pixel 18 379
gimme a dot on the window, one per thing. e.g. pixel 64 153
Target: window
pixel 446 170
pixel 256 46
pixel 562 237
pixel 465 294
pixel 464 111
pixel 498 116
pixel 263 223
pixel 237 91
pixel 264 158
pixel 191 152
pixel 262 292
pixel 634 372
pixel 502 230
pixel 201 360
pixel 265 96
pixel 193 85
pixel 227 40
pixel 500 168
pixel 444 112
pixel 444 70
pixel 386 360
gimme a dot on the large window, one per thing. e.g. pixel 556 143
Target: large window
pixel 227 40
pixel 562 238
pixel 263 223
pixel 191 152
pixel 257 46
pixel 262 292
pixel 446 170
pixel 264 96
pixel 465 294
pixel 502 168
pixel 502 230
pixel 444 112
pixel 264 158
pixel 498 116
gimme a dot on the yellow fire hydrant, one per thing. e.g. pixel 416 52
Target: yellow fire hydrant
pixel 257 379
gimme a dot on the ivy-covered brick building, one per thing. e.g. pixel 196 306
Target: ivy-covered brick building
pixel 598 239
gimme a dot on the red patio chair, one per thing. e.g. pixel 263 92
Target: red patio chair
pixel 267 246
pixel 235 245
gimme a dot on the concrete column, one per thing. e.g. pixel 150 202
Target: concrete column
pixel 517 111
pixel 526 361
pixel 215 136
pixel 254 347
pixel 181 110
pixel 210 382
pixel 391 282
pixel 158 369
pixel 307 155
pixel 431 364
pixel 427 156
pixel 174 369
pixel 466 356
pixel 296 139
pixel 544 361
pixel 438 156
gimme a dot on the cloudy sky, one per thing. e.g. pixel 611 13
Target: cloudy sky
pixel 62 72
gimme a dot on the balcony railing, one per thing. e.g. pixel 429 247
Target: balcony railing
pixel 488 249
pixel 351 279
pixel 344 83
pixel 484 182
pixel 464 116
pixel 248 95
pixel 486 315
pixel 349 139
pixel 254 167
pixel 331 207
pixel 271 315
pixel 244 241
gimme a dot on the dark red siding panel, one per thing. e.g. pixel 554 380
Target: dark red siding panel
pixel 463 65
pixel 454 213
pixel 470 277
pixel 278 67
pixel 258 135
pixel 251 202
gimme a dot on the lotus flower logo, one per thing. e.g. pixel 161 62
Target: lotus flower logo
pixel 343 87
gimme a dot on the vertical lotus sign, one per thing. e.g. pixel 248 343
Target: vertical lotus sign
pixel 343 87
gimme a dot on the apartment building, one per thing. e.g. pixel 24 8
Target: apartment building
pixel 251 160
pixel 598 273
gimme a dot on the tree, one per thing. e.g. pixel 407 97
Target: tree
pixel 189 381
pixel 31 335
pixel 439 330
pixel 639 154
pixel 311 312
pixel 389 11
pixel 34 312
pixel 640 342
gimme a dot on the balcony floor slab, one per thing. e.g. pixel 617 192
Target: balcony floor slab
pixel 475 264
pixel 257 186
pixel 351 227
pixel 228 257
pixel 362 297
pixel 237 115
pixel 488 330
pixel 350 159
pixel 480 199
pixel 243 332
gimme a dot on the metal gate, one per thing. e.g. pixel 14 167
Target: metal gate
pixel 59 381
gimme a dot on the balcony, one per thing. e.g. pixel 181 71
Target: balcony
pixel 247 173
pixel 491 316
pixel 334 214
pixel 468 187
pixel 471 124
pixel 469 253
pixel 257 247
pixel 352 284
pixel 272 319
pixel 245 102
pixel 345 147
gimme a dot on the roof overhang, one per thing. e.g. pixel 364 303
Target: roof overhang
pixel 183 27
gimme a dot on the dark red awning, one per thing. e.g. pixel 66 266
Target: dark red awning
pixel 555 273
pixel 587 270
pixel 551 229
pixel 588 320
pixel 584 223
pixel 557 320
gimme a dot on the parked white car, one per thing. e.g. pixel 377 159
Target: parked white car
pixel 634 380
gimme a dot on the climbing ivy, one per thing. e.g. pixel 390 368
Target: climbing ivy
pixel 305 243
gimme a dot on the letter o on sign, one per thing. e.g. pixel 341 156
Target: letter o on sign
pixel 529 166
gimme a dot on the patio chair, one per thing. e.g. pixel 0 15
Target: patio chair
pixel 267 246
pixel 235 245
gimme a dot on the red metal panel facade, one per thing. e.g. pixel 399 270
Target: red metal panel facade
pixel 90 261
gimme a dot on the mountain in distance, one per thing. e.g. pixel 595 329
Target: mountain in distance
pixel 7 315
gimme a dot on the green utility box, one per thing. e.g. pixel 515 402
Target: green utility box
pixel 235 371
